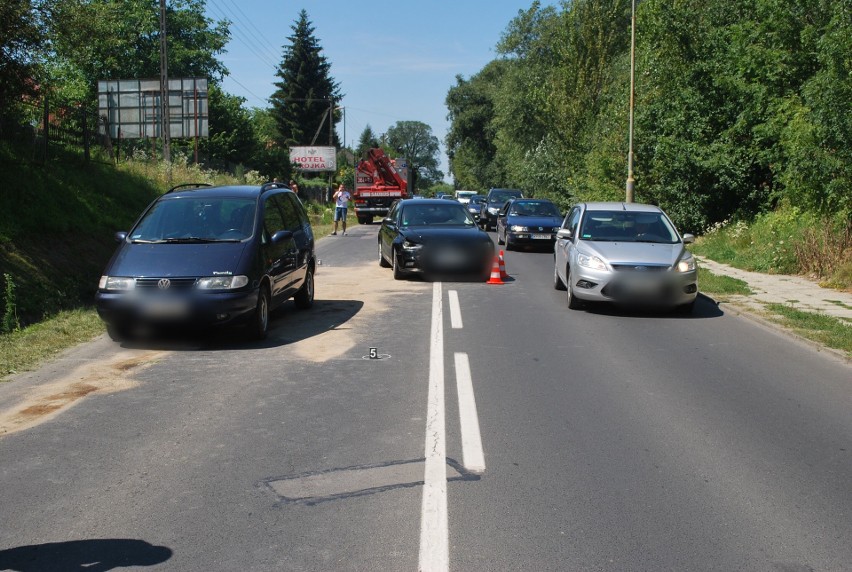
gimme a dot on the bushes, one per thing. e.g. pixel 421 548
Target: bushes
pixel 785 241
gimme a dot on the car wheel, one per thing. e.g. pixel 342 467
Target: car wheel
pixel 500 240
pixel 365 220
pixel 382 262
pixel 558 284
pixel 574 303
pixel 259 325
pixel 119 332
pixel 304 298
pixel 509 245
pixel 397 271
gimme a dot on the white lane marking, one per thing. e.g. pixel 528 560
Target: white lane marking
pixel 455 310
pixel 434 527
pixel 473 457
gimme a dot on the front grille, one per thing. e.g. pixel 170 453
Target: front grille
pixel 174 283
pixel 640 268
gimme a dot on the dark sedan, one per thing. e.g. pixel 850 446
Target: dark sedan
pixel 528 222
pixel 433 236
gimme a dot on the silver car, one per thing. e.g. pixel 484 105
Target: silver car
pixel 624 252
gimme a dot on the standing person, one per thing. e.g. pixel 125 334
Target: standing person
pixel 341 198
pixel 294 186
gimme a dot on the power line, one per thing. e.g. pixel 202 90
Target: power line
pixel 250 42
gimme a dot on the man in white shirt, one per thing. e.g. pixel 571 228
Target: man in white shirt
pixel 341 198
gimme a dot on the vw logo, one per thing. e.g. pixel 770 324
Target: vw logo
pixel 541 228
pixel 164 283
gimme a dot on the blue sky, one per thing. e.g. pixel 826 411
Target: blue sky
pixel 394 61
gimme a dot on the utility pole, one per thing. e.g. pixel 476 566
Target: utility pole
pixel 164 87
pixel 630 181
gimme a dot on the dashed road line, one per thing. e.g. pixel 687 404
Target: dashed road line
pixel 455 310
pixel 473 457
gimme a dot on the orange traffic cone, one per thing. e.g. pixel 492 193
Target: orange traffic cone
pixel 503 273
pixel 495 272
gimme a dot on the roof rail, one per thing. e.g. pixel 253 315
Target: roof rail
pixel 273 185
pixel 188 185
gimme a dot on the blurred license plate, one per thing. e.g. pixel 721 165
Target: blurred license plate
pixel 449 257
pixel 642 287
pixel 165 308
pixel 541 236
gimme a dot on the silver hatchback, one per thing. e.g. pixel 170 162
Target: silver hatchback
pixel 624 252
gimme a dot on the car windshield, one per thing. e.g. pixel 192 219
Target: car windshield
pixel 534 208
pixel 626 226
pixel 502 197
pixel 195 219
pixel 432 214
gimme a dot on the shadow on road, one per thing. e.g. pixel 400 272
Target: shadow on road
pixel 83 555
pixel 704 308
pixel 287 325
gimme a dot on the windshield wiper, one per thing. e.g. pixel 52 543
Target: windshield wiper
pixel 187 240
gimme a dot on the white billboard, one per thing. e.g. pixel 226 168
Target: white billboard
pixel 314 158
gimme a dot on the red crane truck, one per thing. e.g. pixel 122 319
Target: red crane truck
pixel 377 185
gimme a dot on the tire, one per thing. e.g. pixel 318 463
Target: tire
pixel 509 245
pixel 397 271
pixel 574 303
pixel 558 284
pixel 304 298
pixel 382 262
pixel 365 220
pixel 119 332
pixel 259 325
pixel 500 240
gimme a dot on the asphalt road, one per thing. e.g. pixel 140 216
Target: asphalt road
pixel 591 440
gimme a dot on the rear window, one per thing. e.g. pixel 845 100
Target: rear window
pixel 503 196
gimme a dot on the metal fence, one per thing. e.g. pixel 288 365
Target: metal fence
pixel 40 131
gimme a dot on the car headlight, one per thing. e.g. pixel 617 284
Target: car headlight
pixel 555 229
pixel 518 228
pixel 408 245
pixel 591 262
pixel 687 264
pixel 221 282
pixel 116 283
pixel 493 210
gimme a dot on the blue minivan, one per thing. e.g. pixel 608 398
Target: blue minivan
pixel 204 256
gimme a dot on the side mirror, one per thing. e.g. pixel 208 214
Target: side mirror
pixel 688 238
pixel 281 236
pixel 121 236
pixel 564 234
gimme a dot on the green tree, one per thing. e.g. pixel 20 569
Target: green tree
pixel 471 145
pixel 92 40
pixel 269 157
pixel 414 141
pixel 19 40
pixel 305 89
pixel 367 140
pixel 232 140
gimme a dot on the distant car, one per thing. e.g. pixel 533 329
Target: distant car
pixel 624 252
pixel 528 222
pixel 494 201
pixel 464 196
pixel 210 256
pixel 433 236
pixel 473 206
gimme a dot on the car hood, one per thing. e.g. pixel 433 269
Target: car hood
pixel 167 260
pixel 426 234
pixel 634 252
pixel 548 222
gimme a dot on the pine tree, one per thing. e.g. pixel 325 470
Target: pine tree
pixel 367 141
pixel 304 74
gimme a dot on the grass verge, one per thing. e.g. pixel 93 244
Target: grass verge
pixel 826 330
pixel 25 349
pixel 717 285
